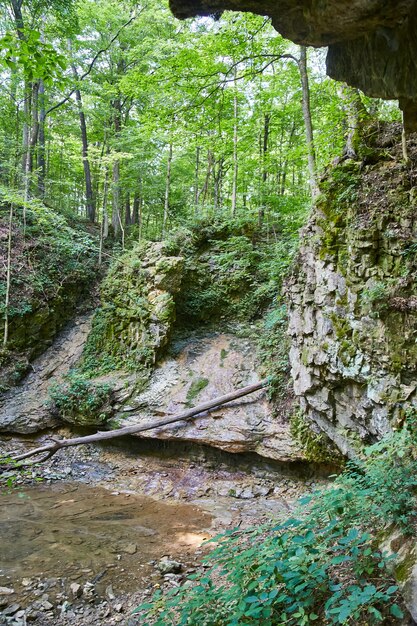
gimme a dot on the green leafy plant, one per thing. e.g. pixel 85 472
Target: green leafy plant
pixel 321 566
pixel 80 401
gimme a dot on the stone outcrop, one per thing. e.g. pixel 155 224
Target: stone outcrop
pixel 137 310
pixel 199 369
pixel 372 43
pixel 25 408
pixel 353 299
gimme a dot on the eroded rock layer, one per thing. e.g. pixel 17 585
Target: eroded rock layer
pixel 353 298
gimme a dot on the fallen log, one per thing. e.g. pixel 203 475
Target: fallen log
pixel 50 449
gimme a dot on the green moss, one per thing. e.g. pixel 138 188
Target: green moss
pixel 137 311
pixel 339 192
pixel 195 389
pixel 317 447
pixel 79 401
pixel 341 326
pixel 404 569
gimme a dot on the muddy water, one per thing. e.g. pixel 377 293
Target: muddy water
pixel 76 532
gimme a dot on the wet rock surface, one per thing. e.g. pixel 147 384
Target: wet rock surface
pixel 108 526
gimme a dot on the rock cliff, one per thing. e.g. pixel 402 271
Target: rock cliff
pixel 353 298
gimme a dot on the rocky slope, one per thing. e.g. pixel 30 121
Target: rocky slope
pixel 53 268
pixel 353 298
pixel 26 407
pixel 114 364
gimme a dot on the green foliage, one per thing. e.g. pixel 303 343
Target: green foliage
pixel 54 251
pixel 38 59
pixel 234 263
pixel 80 401
pixel 12 473
pixel 273 348
pixel 320 566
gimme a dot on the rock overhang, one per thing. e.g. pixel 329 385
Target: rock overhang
pixel 372 43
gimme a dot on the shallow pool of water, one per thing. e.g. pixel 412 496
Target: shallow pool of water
pixel 80 532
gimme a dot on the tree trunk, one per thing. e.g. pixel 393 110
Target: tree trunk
pixel 115 216
pixel 204 189
pixel 235 140
pixel 90 205
pixel 311 153
pixel 136 205
pixel 265 144
pixel 218 177
pixel 167 190
pixel 285 164
pixel 354 110
pixel 105 218
pixel 128 214
pixel 8 279
pixel 41 142
pixel 51 448
pixel 33 138
pixel 197 168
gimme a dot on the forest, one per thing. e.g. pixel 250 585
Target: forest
pixel 208 299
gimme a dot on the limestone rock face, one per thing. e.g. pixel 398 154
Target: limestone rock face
pixel 24 409
pixel 352 302
pixel 372 43
pixel 137 310
pixel 199 369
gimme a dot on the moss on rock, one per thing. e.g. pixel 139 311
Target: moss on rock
pixel 353 297
pixel 137 311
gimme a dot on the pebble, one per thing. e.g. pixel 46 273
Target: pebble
pixel 76 590
pixel 129 548
pixel 11 610
pixel 169 566
pixel 110 593
pixel 6 591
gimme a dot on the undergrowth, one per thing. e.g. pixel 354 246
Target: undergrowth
pixel 49 250
pixel 81 401
pixel 233 267
pixel 322 565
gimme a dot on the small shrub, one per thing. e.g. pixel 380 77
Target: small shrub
pixel 80 401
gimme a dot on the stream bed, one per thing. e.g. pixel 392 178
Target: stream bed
pixel 108 525
pixel 92 533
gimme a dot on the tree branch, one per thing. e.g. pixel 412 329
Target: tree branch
pixel 90 67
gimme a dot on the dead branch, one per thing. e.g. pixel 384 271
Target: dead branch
pixel 49 449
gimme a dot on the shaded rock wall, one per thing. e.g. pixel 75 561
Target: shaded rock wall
pixel 353 299
pixel 26 408
pixel 53 261
pixel 137 310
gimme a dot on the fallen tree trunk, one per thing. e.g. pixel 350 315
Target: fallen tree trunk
pixel 50 448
